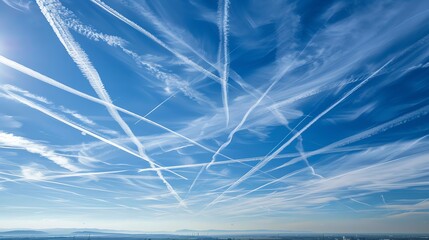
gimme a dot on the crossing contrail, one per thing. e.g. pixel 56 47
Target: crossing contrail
pixel 302 130
pixel 275 79
pixel 331 147
pixel 50 10
pixel 250 159
pixel 81 129
pixel 360 136
pixel 155 39
pixel 54 83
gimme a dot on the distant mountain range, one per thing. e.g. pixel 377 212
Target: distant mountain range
pixel 23 232
pixel 105 232
pixel 216 231
pixel 179 234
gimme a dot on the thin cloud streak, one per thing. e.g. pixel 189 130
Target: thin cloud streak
pixel 362 135
pixel 344 162
pixel 275 80
pixel 269 158
pixel 12 141
pixel 73 91
pixel 155 39
pixel 50 9
pixel 81 129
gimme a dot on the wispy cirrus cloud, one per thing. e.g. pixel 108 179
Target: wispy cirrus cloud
pixel 296 135
pixel 322 124
pixel 29 145
pixel 20 5
pixel 50 10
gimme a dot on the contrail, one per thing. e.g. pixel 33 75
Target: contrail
pixel 47 179
pixel 326 180
pixel 166 30
pixel 73 23
pixel 342 175
pixel 80 195
pixel 219 26
pixel 310 93
pixel 54 83
pixel 382 198
pixel 197 177
pixel 362 135
pixel 155 39
pixel 50 9
pixel 68 175
pixel 159 105
pixel 34 74
pixel 357 201
pixel 205 166
pixel 225 75
pixel 77 127
pixel 365 134
pixel 243 160
pixel 276 78
pixel 300 148
pixel 269 158
pixel 29 145
pixel 232 75
pixel 267 184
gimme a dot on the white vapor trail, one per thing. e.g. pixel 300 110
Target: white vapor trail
pixel 197 177
pixel 360 136
pixel 331 148
pixel 231 73
pixel 69 18
pixel 60 176
pixel 158 23
pixel 219 26
pixel 311 92
pixel 243 160
pixel 161 25
pixel 300 148
pixel 269 183
pixel 225 29
pixel 276 79
pixel 13 141
pixel 417 159
pixel 154 38
pixel 77 127
pixel 382 198
pixel 296 135
pixel 50 10
pixel 224 83
pixel 75 193
pixel 54 83
pixel 360 202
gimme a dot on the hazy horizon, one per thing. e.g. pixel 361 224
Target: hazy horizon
pixel 230 114
pixel 68 231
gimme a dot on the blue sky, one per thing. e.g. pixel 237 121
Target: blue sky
pixel 164 115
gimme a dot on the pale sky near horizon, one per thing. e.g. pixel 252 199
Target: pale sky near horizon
pixel 165 115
